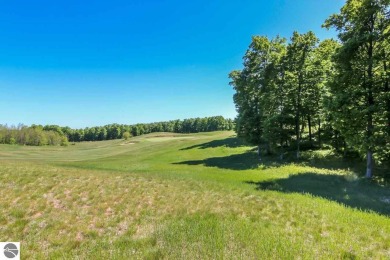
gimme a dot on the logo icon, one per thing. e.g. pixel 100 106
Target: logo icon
pixel 11 250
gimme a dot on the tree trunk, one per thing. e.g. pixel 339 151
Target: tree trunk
pixel 281 143
pixel 259 152
pixel 345 149
pixel 369 164
pixel 309 124
pixel 298 134
pixel 268 149
pixel 369 171
pixel 319 132
pixel 281 154
pixel 387 89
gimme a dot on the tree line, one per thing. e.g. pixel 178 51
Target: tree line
pixel 56 135
pixel 34 135
pixel 303 92
pixel 115 131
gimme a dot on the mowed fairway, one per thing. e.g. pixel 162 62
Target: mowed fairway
pixel 198 196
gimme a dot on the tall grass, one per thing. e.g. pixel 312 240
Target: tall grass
pixel 148 200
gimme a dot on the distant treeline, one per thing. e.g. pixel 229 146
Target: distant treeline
pixel 34 135
pixel 57 135
pixel 116 131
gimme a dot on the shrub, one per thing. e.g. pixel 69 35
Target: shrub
pixel 12 140
pixel 126 135
pixel 64 141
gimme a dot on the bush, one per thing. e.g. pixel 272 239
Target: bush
pixel 12 140
pixel 64 141
pixel 126 135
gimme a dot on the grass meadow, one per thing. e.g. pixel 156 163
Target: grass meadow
pixel 198 196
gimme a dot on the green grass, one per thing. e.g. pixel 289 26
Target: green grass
pixel 205 196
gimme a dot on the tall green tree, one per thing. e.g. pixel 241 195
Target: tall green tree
pixel 276 114
pixel 299 78
pixel 359 88
pixel 324 68
pixel 250 85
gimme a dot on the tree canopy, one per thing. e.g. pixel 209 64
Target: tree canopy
pixel 306 92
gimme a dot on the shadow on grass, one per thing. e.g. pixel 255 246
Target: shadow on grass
pixel 243 161
pixel 357 193
pixel 231 142
pixel 249 160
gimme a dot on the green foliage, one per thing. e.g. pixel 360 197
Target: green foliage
pixel 34 135
pixel 315 93
pixel 126 135
pixel 360 90
pixel 38 135
pixel 280 88
pixel 116 131
pixel 12 140
pixel 64 141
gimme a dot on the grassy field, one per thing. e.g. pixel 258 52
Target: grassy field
pixel 204 196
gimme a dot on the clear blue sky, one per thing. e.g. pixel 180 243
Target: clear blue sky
pixel 87 63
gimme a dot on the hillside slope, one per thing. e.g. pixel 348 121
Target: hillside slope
pixel 186 196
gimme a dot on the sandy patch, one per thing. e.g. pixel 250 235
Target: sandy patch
pixel 128 143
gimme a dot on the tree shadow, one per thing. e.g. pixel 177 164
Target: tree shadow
pixel 231 142
pixel 250 160
pixel 243 161
pixel 323 159
pixel 353 192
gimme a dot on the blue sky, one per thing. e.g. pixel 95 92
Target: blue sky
pixel 87 63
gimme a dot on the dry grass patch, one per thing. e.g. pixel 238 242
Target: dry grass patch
pixel 144 204
pixel 62 212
